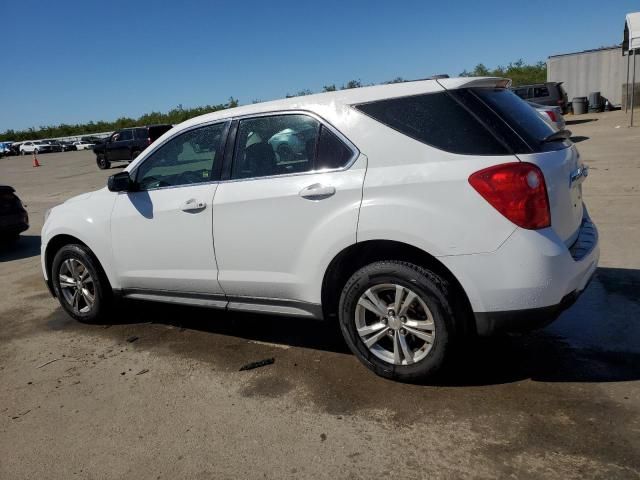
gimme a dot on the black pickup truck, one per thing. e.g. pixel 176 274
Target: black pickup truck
pixel 126 144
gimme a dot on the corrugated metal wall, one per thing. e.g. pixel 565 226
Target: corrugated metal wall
pixel 601 71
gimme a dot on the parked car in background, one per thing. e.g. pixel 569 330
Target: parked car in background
pixel 55 145
pixel 125 145
pixel 13 216
pixel 290 145
pixel 469 220
pixel 35 147
pixel 551 114
pixel 15 148
pixel 5 149
pixel 82 145
pixel 548 93
pixel 67 146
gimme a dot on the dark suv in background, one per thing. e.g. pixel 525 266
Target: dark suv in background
pixel 125 145
pixel 549 93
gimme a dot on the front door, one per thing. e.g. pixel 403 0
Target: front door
pixel 162 233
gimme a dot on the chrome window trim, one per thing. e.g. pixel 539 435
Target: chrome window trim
pixel 354 150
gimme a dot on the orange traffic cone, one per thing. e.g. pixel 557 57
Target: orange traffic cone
pixel 35 160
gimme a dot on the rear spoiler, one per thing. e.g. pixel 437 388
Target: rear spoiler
pixel 469 82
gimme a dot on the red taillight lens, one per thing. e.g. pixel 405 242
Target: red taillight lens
pixel 552 115
pixel 517 190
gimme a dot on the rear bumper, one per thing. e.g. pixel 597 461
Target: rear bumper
pixel 529 280
pixel 490 323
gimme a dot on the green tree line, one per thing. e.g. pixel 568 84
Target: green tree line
pixel 520 72
pixel 176 115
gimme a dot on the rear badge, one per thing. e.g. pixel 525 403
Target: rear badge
pixel 578 175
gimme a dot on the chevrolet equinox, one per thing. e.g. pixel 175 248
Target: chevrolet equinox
pixel 414 214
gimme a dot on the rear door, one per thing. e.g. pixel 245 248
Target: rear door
pixel 293 192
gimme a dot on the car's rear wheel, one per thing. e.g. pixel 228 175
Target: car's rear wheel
pixel 81 287
pixel 397 319
pixel 102 161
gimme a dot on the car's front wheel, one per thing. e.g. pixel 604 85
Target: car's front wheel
pixel 397 319
pixel 81 287
pixel 102 161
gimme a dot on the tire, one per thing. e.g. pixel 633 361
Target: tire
pixel 77 263
pixel 103 163
pixel 429 314
pixel 134 154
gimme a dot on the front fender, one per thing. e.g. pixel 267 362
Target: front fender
pixel 89 220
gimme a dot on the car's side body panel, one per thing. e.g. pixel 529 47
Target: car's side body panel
pixel 420 195
pixel 159 246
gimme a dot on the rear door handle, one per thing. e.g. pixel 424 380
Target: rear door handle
pixel 317 192
pixel 193 205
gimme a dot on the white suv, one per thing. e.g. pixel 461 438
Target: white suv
pixel 414 213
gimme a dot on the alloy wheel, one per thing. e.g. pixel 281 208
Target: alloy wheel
pixel 77 286
pixel 395 324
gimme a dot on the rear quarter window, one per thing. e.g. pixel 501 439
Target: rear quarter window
pixel 438 120
pixel 519 116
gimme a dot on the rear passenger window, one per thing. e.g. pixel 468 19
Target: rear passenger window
pixel 437 120
pixel 275 145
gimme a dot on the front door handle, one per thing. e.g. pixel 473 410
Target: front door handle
pixel 317 192
pixel 193 205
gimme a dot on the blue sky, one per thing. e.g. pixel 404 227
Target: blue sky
pixel 75 61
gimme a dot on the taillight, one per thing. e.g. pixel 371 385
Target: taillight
pixel 552 115
pixel 518 191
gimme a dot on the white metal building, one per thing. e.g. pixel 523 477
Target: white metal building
pixel 601 70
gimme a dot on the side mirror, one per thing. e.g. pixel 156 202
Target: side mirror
pixel 120 182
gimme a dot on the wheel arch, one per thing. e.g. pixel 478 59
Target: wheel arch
pixel 56 243
pixel 357 255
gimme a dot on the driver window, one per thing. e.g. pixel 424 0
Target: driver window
pixel 185 159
